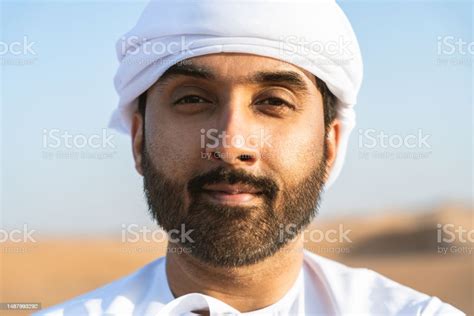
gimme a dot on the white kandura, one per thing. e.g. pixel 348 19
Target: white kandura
pixel 323 287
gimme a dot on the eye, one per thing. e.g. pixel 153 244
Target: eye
pixel 191 99
pixel 276 102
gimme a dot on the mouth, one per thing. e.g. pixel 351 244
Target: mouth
pixel 234 194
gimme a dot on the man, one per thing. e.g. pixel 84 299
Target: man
pixel 239 114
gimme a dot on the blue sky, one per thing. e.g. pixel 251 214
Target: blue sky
pixel 66 84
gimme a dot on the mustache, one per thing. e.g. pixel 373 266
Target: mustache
pixel 267 186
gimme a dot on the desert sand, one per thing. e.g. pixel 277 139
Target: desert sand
pixel 400 245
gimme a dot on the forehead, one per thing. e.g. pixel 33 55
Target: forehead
pixel 238 67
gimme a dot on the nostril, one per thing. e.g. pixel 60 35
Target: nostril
pixel 245 157
pixel 231 157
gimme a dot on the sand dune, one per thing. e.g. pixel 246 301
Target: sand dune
pixel 399 245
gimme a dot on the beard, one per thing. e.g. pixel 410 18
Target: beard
pixel 227 235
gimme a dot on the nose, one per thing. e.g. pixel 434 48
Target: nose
pixel 234 133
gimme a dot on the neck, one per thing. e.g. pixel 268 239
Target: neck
pixel 246 288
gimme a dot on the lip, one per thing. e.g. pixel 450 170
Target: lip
pixel 231 188
pixel 231 193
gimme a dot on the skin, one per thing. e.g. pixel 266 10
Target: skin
pixel 230 103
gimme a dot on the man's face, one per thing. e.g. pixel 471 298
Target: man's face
pixel 234 150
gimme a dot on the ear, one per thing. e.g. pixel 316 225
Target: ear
pixel 137 140
pixel 332 143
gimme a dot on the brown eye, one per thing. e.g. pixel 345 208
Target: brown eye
pixel 191 99
pixel 273 101
pixel 277 102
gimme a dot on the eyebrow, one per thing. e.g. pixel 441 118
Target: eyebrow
pixel 288 77
pixel 189 71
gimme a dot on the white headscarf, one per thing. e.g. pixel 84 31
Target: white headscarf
pixel 312 34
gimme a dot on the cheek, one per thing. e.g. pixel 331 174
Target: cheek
pixel 296 150
pixel 174 150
